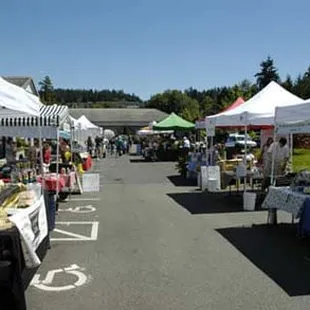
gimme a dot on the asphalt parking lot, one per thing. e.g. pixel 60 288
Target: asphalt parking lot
pixel 146 242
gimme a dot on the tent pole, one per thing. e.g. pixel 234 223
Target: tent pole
pixel 207 150
pixel 245 154
pixel 291 152
pixel 275 127
pixel 41 159
pixel 57 163
pixel 211 151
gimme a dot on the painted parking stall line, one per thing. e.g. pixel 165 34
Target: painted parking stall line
pixel 84 199
pixel 72 277
pixel 72 236
pixel 80 209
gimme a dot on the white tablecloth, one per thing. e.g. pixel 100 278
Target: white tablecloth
pixel 283 198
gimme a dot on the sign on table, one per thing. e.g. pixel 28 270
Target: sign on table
pixel 91 182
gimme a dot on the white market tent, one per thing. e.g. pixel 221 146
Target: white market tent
pixel 22 114
pixel 49 122
pixel 87 129
pixel 17 101
pixel 86 123
pixel 74 122
pixel 258 110
pixel 291 120
pixel 295 118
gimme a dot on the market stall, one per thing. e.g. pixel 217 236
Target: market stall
pixel 22 209
pixel 24 239
pixel 258 112
pixel 294 199
pixel 87 129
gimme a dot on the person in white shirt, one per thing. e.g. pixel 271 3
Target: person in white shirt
pixel 186 143
pixel 264 157
pixel 281 156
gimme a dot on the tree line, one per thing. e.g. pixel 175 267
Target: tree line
pixel 193 104
pixel 190 103
pixel 82 98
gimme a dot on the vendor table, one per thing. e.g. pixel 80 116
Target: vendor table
pixel 14 276
pixel 295 203
pixel 64 181
pixel 229 176
pixel 15 271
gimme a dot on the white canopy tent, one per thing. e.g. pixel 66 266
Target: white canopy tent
pixel 23 115
pixel 50 119
pixel 293 119
pixel 87 129
pixel 74 122
pixel 17 100
pixel 86 123
pixel 257 111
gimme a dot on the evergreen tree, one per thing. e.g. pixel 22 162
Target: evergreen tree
pixel 288 84
pixel 46 91
pixel 267 73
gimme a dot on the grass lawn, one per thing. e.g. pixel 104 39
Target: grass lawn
pixel 301 159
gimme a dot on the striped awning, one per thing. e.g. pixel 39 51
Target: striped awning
pixel 50 116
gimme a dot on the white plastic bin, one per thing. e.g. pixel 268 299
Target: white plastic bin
pixel 212 185
pixel 249 201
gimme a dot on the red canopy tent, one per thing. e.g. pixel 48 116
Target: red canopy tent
pixel 200 124
pixel 235 104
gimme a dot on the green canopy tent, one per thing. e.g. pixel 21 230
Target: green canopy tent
pixel 174 122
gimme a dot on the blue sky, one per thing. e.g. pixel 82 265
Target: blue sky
pixel 147 46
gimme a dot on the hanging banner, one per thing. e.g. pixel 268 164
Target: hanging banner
pixel 210 127
pixel 294 129
pixel 200 124
pixel 32 225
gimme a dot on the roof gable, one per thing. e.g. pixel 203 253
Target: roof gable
pixel 25 82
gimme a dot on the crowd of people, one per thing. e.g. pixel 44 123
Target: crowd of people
pixel 100 147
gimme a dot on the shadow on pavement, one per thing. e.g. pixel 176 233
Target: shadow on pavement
pixel 138 160
pixel 208 203
pixel 178 180
pixel 277 252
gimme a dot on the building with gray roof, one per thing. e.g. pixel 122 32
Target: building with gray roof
pixel 120 120
pixel 25 82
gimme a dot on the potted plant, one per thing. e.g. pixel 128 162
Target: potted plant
pixel 182 166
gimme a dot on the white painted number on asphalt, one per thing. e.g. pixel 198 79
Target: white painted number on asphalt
pixel 82 209
pixel 46 284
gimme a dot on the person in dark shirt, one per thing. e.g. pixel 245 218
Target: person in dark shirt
pixel 90 145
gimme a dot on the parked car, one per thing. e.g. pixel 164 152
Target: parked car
pixel 238 140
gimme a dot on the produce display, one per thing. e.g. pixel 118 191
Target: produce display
pixel 9 195
pixel 4 220
pixel 26 199
pixel 13 197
